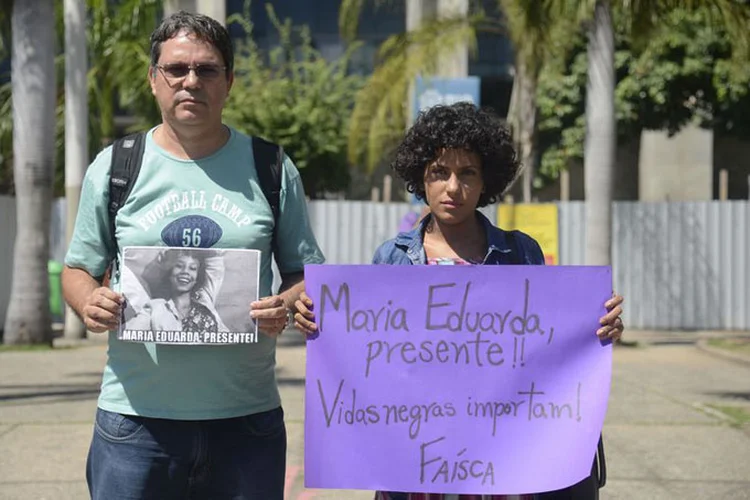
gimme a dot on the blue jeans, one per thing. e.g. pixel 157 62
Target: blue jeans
pixel 143 458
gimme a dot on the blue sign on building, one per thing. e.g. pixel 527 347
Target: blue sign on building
pixel 434 90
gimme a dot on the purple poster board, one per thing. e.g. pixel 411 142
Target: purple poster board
pixel 455 379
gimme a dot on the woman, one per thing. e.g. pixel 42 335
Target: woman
pixel 183 291
pixel 458 158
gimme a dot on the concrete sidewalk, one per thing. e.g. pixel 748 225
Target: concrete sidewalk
pixel 671 430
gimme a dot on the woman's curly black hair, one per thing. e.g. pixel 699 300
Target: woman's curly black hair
pixel 458 126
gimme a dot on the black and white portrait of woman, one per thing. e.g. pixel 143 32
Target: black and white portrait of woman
pixel 183 292
pixel 188 289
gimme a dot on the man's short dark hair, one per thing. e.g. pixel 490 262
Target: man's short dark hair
pixel 200 26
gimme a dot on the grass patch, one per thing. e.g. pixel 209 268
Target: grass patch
pixel 739 416
pixel 22 347
pixel 738 346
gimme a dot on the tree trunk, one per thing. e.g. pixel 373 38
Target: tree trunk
pixel 453 63
pixel 601 137
pixel 522 115
pixel 76 128
pixel 172 6
pixel 527 129
pixel 107 110
pixel 33 86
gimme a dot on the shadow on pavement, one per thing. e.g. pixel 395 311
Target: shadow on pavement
pixel 291 381
pixel 67 392
pixel 730 395
pixel 673 342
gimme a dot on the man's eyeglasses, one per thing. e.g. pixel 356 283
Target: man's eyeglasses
pixel 178 71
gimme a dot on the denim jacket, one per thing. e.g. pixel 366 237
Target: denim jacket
pixel 504 247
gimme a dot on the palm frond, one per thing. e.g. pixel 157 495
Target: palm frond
pixel 539 30
pixel 733 15
pixel 379 116
pixel 643 19
pixel 6 8
pixel 350 12
pixel 580 11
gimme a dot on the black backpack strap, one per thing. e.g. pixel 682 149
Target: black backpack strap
pixel 269 160
pixel 127 155
pixel 601 463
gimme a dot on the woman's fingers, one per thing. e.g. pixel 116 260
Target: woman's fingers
pixel 304 309
pixel 611 322
pixel 611 316
pixel 304 319
pixel 611 331
pixel 615 301
pixel 305 325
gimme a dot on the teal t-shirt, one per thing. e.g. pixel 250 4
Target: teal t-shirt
pixel 180 381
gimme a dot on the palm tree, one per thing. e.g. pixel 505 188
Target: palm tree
pixel 76 128
pixel 530 24
pixel 380 114
pixel 119 50
pixel 601 132
pixel 601 137
pixel 119 53
pixel 33 86
pixel 117 38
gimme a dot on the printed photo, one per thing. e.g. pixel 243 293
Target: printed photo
pixel 189 295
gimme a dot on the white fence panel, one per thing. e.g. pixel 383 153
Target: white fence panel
pixel 679 265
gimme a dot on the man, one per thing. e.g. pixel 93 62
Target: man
pixel 175 421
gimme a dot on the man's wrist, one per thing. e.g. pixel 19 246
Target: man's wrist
pixel 289 317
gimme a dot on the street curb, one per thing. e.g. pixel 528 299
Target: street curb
pixel 702 345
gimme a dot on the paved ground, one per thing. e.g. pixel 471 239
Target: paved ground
pixel 668 434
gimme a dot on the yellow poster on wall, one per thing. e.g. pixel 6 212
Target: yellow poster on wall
pixel 538 221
